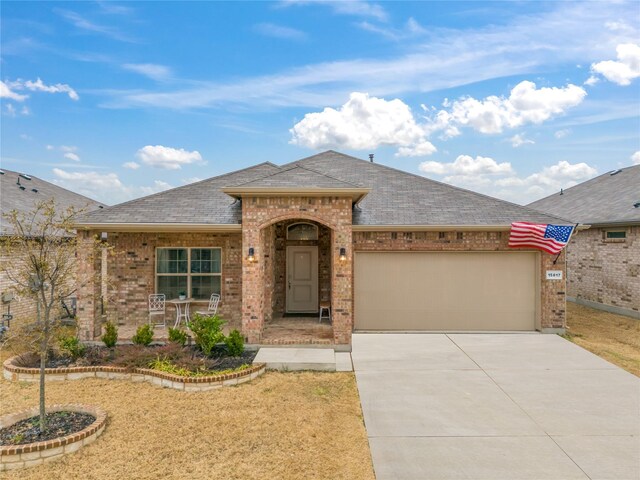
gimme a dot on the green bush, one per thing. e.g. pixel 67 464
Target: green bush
pixel 110 336
pixel 235 343
pixel 72 347
pixel 178 336
pixel 207 331
pixel 144 335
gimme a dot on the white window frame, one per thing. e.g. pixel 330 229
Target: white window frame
pixel 188 274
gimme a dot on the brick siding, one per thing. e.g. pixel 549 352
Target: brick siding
pixel 606 272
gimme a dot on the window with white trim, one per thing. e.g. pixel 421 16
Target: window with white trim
pixel 195 271
pixel 614 236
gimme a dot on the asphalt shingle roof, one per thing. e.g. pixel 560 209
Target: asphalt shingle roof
pixel 12 197
pixel 297 176
pixel 601 200
pixel 396 197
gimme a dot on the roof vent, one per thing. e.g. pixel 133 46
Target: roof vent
pixel 25 176
pixel 34 190
pixel 561 192
pixel 615 172
pixel 100 206
pixel 1 172
pixel 371 157
pixel 636 205
pixel 21 187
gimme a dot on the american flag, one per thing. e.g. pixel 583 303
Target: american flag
pixel 549 238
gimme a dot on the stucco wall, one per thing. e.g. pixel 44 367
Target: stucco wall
pixel 605 272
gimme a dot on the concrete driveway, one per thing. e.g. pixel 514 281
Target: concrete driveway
pixel 495 406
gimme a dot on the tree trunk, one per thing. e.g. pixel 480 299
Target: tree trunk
pixel 43 362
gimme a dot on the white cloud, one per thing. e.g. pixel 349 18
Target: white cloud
pixel 446 58
pixel 151 70
pixel 518 140
pixel 279 31
pixel 25 110
pixel 10 110
pixel 359 8
pixel 40 86
pixel 191 180
pixel 168 158
pixel 106 187
pixel 50 147
pixel 409 30
pixel 421 149
pixel 6 92
pixel 131 165
pixel 501 181
pixel 467 165
pixel 526 104
pixel 68 148
pixel 562 133
pixel 363 122
pixel 623 70
pixel 635 158
pixel 24 136
pixel 72 156
pixel 83 23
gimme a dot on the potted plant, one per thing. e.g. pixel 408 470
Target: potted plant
pixel 182 295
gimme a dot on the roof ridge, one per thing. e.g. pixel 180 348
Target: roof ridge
pixel 427 179
pixel 292 165
pixel 188 185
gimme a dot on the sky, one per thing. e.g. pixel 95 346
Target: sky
pixel 118 100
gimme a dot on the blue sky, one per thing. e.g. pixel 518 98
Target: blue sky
pixel 117 100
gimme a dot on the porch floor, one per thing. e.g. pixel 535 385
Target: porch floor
pixel 297 331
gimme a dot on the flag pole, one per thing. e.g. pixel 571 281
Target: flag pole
pixel 568 240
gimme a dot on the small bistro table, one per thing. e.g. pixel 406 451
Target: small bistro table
pixel 182 309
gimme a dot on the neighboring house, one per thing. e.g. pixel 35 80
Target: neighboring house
pixel 21 192
pixel 603 261
pixel 387 250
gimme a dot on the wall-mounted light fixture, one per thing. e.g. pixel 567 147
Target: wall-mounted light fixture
pixel 343 254
pixel 251 256
pixel 103 236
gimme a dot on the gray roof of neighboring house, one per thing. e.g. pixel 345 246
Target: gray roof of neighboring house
pixel 607 199
pixel 396 197
pixel 34 189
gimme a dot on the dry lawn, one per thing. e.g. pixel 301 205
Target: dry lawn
pixel 613 337
pixel 281 425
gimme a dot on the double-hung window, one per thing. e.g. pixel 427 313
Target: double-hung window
pixel 194 271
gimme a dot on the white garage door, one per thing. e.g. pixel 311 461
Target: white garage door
pixel 461 291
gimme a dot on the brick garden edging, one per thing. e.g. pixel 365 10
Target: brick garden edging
pixel 177 382
pixel 32 454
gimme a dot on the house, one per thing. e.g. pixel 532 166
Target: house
pixel 21 192
pixel 385 249
pixel 604 261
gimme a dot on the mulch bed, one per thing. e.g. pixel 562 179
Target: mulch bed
pixel 59 424
pixel 136 356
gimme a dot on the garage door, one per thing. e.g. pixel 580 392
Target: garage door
pixel 459 291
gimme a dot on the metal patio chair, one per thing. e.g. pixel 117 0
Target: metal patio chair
pixel 212 309
pixel 157 307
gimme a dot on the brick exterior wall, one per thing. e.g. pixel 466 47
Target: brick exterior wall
pixel 253 291
pixel 605 272
pixel 131 277
pixel 258 215
pixel 22 308
pixel 552 292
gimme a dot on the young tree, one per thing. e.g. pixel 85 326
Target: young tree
pixel 42 248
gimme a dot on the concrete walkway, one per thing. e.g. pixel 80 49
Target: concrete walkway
pixel 495 406
pixel 292 359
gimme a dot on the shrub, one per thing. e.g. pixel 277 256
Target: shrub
pixel 178 336
pixel 143 336
pixel 235 343
pixel 207 331
pixel 110 336
pixel 72 347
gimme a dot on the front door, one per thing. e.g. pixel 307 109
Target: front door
pixel 302 279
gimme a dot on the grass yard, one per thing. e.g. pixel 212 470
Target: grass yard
pixel 615 338
pixel 281 425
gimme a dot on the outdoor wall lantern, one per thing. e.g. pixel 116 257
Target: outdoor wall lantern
pixel 343 254
pixel 251 256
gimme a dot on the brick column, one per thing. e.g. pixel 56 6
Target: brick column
pixel 342 285
pixel 89 287
pixel 252 284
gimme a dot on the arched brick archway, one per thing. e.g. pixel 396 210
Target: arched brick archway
pixel 259 214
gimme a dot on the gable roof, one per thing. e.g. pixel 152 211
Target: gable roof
pixel 396 198
pixel 21 192
pixel 401 198
pixel 607 199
